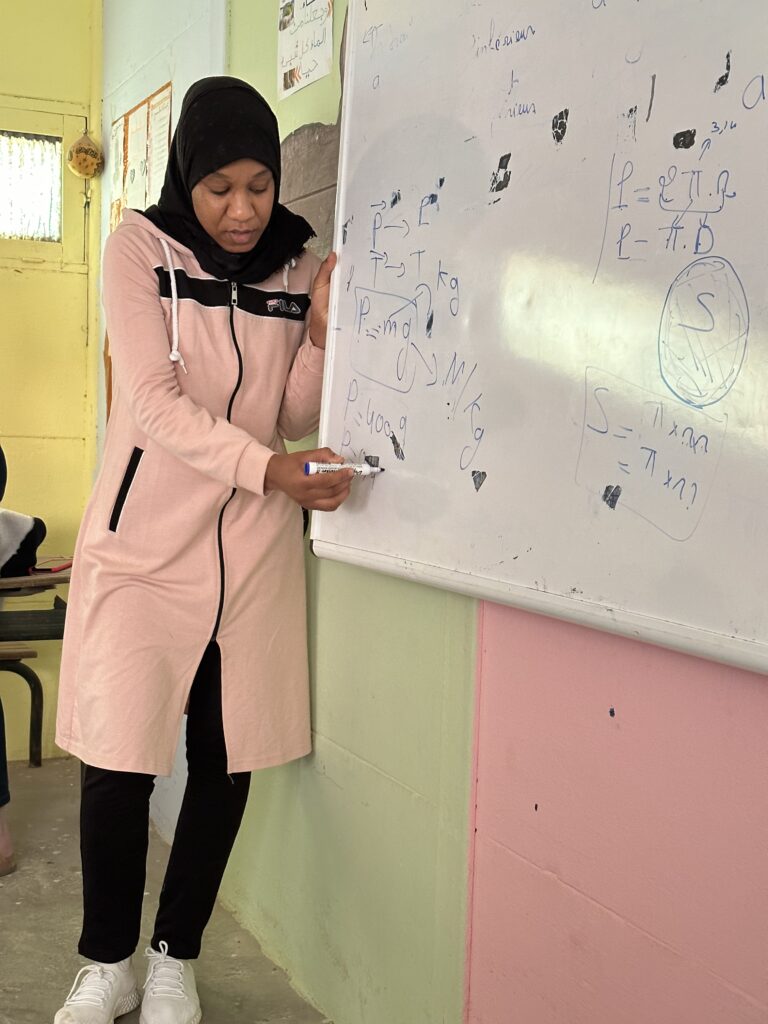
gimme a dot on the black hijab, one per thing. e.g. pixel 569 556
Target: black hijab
pixel 222 120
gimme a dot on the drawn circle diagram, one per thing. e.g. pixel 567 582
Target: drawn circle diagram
pixel 704 332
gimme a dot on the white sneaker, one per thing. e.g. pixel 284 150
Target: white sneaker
pixel 170 992
pixel 101 993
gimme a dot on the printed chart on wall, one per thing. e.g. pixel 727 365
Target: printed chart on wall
pixel 138 154
pixel 550 316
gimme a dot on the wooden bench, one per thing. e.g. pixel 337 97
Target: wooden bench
pixel 12 658
pixel 36 623
pixel 20 626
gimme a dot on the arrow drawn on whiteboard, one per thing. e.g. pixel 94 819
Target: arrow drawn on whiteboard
pixel 396 266
pixel 405 227
pixel 432 368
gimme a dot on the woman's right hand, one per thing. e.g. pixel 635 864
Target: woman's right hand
pixel 323 492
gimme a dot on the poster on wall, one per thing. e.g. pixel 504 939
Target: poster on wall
pixel 136 160
pixel 117 172
pixel 139 142
pixel 304 43
pixel 138 154
pixel 158 140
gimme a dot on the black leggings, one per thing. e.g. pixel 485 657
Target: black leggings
pixel 114 837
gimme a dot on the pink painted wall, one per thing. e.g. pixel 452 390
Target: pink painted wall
pixel 621 860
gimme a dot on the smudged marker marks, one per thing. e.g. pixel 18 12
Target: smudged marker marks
pixel 723 79
pixel 396 197
pixel 441 182
pixel 611 495
pixel 631 116
pixel 612 712
pixel 345 229
pixel 502 177
pixel 399 453
pixel 684 140
pixel 560 125
pixel 653 93
pixel 372 460
pixel 430 323
pixel 479 478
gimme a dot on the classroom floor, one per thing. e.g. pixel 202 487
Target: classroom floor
pixel 40 920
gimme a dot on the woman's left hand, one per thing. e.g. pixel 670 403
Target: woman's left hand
pixel 321 291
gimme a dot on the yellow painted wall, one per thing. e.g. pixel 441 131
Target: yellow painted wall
pixel 50 53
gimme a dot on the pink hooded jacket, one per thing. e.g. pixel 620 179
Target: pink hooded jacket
pixel 179 544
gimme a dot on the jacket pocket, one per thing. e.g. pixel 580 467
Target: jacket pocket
pixel 125 486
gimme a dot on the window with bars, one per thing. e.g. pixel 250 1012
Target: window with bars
pixel 43 208
pixel 30 187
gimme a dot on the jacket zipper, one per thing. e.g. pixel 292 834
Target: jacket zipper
pixel 220 529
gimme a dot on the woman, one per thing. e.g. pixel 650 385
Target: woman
pixel 188 582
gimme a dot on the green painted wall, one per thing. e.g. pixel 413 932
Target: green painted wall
pixel 351 866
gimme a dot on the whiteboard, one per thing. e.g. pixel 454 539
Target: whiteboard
pixel 548 321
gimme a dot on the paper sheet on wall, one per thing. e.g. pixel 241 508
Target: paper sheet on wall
pixel 136 167
pixel 158 140
pixel 305 43
pixel 116 172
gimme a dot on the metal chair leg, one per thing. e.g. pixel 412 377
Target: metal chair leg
pixel 36 708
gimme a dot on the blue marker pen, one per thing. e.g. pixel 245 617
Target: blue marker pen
pixel 358 468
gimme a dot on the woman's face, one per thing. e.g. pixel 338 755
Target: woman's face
pixel 234 204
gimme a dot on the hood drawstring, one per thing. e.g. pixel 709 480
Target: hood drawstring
pixel 174 355
pixel 288 266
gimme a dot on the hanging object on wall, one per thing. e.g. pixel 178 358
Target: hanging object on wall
pixel 85 158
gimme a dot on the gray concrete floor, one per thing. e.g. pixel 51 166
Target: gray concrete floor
pixel 40 920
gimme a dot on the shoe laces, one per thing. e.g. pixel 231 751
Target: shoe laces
pixel 92 987
pixel 166 974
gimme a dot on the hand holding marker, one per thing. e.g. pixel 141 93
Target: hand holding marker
pixel 358 468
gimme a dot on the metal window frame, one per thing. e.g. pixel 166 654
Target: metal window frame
pixel 63 123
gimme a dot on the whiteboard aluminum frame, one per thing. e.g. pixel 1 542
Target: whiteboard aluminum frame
pixel 735 651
